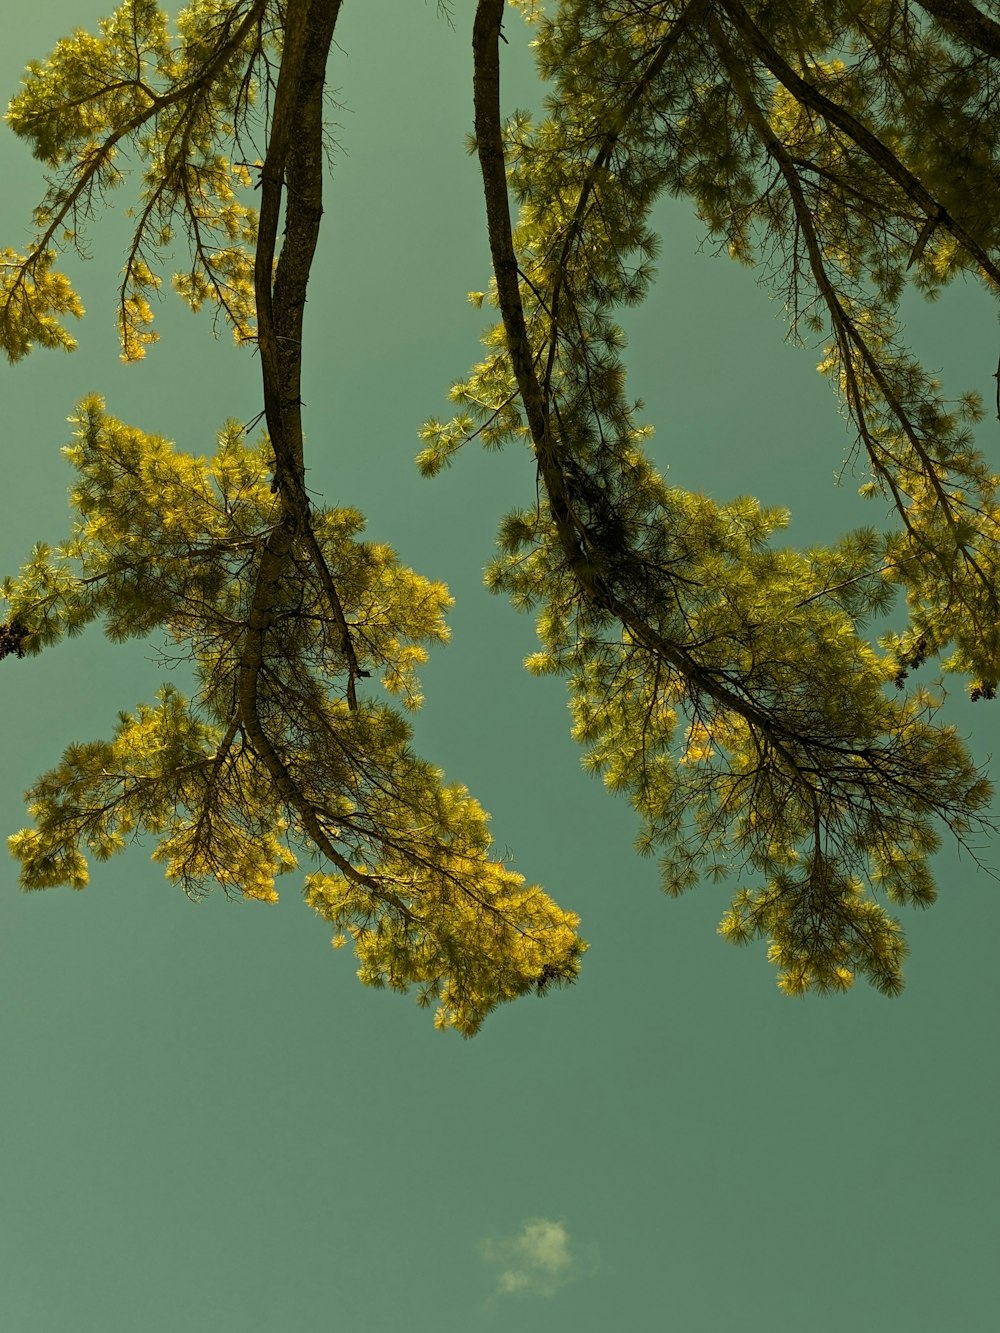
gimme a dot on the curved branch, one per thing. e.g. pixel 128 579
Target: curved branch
pixel 294 165
pixel 489 139
pixel 963 20
pixel 274 558
pixel 869 143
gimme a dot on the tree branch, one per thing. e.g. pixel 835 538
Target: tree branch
pixel 963 20
pixel 869 143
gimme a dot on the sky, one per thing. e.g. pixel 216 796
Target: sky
pixel 209 1125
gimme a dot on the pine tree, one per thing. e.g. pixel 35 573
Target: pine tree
pixel 281 606
pixel 723 682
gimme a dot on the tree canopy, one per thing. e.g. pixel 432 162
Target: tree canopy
pixel 730 686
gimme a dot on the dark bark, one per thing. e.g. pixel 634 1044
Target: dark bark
pixel 963 20
pixel 293 171
pixel 836 115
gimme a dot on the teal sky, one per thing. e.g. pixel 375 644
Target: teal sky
pixel 209 1126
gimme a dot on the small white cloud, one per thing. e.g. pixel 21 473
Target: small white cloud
pixel 538 1261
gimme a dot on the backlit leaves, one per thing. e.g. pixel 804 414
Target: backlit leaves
pixel 725 684
pixel 169 540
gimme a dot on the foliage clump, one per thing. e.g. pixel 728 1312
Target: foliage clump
pixel 728 685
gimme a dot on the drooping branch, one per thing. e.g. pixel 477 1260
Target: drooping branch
pixel 826 768
pixel 834 114
pixel 961 19
pixel 274 559
pixel 547 450
pixel 621 117
pixel 69 196
pixel 845 329
pixel 489 146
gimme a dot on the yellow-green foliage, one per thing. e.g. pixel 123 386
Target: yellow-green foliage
pixel 729 686
pixel 281 608
pixel 172 101
pixel 169 540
